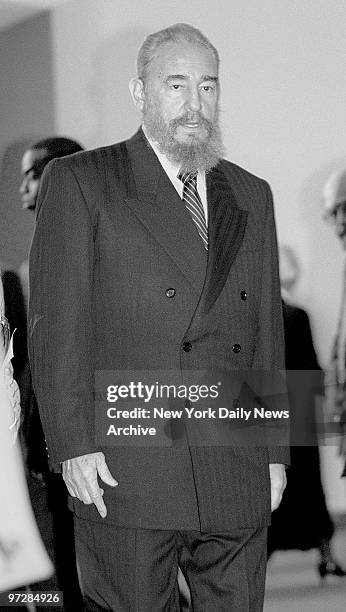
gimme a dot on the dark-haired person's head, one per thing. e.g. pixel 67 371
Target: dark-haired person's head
pixel 34 160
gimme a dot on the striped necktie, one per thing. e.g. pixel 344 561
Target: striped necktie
pixel 194 204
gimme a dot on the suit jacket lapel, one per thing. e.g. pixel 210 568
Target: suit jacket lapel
pixel 154 200
pixel 227 223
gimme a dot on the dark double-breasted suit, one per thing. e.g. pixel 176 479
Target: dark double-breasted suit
pixel 120 281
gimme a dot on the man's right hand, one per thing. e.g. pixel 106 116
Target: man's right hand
pixel 80 476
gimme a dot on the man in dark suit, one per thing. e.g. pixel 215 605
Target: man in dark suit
pixel 153 260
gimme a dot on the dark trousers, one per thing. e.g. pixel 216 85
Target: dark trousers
pixel 135 570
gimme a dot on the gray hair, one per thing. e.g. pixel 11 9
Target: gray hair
pixel 176 33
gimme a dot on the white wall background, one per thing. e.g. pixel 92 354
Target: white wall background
pixel 283 113
pixel 26 114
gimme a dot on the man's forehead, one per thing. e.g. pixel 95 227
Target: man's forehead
pixel 31 158
pixel 174 58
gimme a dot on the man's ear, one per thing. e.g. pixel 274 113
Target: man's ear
pixel 136 87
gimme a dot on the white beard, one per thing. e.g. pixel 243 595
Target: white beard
pixel 196 154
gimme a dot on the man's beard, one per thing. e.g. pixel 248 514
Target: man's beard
pixel 193 154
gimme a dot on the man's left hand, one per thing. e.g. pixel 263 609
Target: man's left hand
pixel 278 483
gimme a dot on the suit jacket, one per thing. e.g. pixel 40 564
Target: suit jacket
pixel 112 241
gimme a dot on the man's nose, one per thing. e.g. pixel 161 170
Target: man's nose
pixel 24 186
pixel 193 101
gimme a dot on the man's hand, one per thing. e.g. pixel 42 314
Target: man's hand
pixel 278 483
pixel 80 476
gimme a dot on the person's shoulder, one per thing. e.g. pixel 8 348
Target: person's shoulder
pixel 235 172
pixel 251 192
pixel 91 158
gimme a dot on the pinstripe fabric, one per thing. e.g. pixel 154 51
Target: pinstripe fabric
pixel 127 570
pixel 136 569
pixel 146 328
pixel 193 204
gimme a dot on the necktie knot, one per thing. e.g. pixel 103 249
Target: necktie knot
pixel 187 177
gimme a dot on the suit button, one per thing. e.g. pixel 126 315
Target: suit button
pixel 243 295
pixel 236 348
pixel 188 403
pixel 170 293
pixel 236 403
pixel 187 346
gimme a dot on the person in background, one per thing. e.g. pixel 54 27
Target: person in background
pixel 334 203
pixel 34 161
pixel 302 521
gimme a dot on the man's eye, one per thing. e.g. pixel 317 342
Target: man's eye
pixel 176 86
pixel 208 88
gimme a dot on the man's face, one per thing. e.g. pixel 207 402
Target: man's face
pixel 180 107
pixel 32 168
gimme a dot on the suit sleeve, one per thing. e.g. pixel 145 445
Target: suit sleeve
pixel 270 346
pixel 60 315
